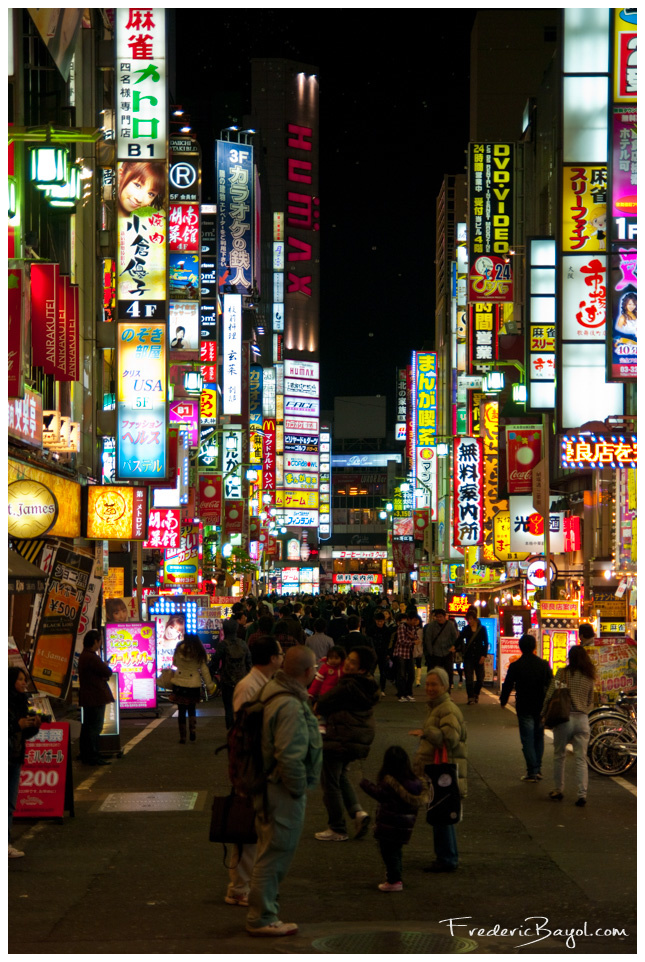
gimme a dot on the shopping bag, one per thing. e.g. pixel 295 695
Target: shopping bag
pixel 233 820
pixel 559 708
pixel 444 798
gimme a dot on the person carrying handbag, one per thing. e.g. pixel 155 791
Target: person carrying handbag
pixel 578 677
pixel 190 661
pixel 444 728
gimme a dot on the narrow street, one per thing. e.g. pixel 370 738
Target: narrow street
pixel 149 881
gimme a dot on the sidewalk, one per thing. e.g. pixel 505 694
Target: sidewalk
pixel 149 882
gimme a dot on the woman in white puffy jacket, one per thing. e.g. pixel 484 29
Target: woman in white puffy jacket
pixel 190 661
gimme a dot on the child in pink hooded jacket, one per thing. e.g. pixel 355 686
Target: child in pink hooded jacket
pixel 330 671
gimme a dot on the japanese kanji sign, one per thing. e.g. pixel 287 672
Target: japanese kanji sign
pixel 425 396
pixel 490 221
pixel 140 83
pixel 599 451
pixel 141 401
pixel 116 513
pixel 584 299
pixel 527 527
pixel 164 528
pixel 232 354
pixel 183 227
pixel 624 323
pixel 584 208
pixel 484 333
pixel 236 214
pixel 468 491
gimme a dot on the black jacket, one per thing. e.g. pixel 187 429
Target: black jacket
pixel 18 708
pixel 382 637
pixel 399 804
pixel 475 642
pixel 348 710
pixel 530 676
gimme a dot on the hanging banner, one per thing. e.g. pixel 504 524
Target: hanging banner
pixel 58 619
pixel 141 227
pixel 484 334
pixel 468 491
pixel 184 566
pixel 232 354
pixel 15 333
pixel 44 315
pixel 402 555
pixel 210 499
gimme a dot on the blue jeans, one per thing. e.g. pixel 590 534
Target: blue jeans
pixel 445 844
pixel 14 782
pixel 532 736
pixel 576 731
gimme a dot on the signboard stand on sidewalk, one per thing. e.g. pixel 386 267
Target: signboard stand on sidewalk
pixel 46 783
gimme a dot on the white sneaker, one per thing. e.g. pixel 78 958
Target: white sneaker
pixel 402 698
pixel 275 928
pixel 361 824
pixel 242 900
pixel 410 698
pixel 15 853
pixel 330 836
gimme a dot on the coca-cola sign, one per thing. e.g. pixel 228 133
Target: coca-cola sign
pixel 523 452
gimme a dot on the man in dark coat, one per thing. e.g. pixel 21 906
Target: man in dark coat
pixel 93 696
pixel 348 711
pixel 530 676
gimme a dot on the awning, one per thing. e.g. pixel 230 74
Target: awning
pixel 23 576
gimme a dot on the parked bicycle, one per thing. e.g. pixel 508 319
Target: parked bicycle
pixel 611 716
pixel 613 750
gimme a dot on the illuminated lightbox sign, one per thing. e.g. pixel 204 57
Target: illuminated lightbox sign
pixel 301 425
pixel 302 369
pixel 296 499
pixel 183 324
pixel 236 216
pixel 164 528
pixel 468 491
pixel 598 451
pixel 299 519
pixel 298 407
pixel 141 401
pixel 183 178
pixel 360 555
pixel 301 480
pixel 116 513
pixel 130 651
pixel 301 443
pixel 584 298
pixel 142 235
pixel 141 77
pixel 299 388
pixel 584 208
pixel 301 462
pixel 357 579
pixel 527 527
pixel 232 354
pixel 184 275
pixel 491 185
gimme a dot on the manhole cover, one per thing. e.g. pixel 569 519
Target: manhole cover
pixel 391 942
pixel 149 802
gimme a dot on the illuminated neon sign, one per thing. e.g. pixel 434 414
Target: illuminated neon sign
pixel 598 451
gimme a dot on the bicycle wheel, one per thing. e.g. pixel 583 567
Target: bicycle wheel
pixel 604 720
pixel 607 754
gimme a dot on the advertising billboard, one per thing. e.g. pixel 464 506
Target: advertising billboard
pixel 116 513
pixel 141 401
pixel 130 650
pixel 468 491
pixel 235 216
pixel 623 342
pixel 584 208
pixel 232 354
pixel 141 78
pixel 491 187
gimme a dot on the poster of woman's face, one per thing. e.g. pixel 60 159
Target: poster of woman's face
pixel 170 630
pixel 141 185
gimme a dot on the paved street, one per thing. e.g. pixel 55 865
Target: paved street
pixel 149 882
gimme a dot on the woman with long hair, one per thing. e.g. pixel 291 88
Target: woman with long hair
pixel 190 661
pixel 578 676
pixel 23 724
pixel 141 184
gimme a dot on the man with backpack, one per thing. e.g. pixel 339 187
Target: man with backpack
pixel 267 657
pixel 292 759
pixel 233 661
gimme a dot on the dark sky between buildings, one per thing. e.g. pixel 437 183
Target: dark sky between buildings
pixel 394 102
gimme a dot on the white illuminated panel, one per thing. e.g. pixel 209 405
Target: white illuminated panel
pixel 278 288
pixel 302 369
pixel 268 393
pixel 300 388
pixel 232 354
pixel 278 255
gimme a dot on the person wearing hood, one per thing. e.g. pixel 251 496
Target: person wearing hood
pixel 444 726
pixel 23 724
pixel 348 712
pixel 232 663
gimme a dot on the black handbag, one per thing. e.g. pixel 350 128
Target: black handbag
pixel 559 708
pixel 233 820
pixel 444 801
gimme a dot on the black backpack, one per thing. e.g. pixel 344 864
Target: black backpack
pixel 244 743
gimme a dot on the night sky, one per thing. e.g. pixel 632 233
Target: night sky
pixel 393 120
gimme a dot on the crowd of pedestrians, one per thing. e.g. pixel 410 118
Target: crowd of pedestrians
pixel 320 669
